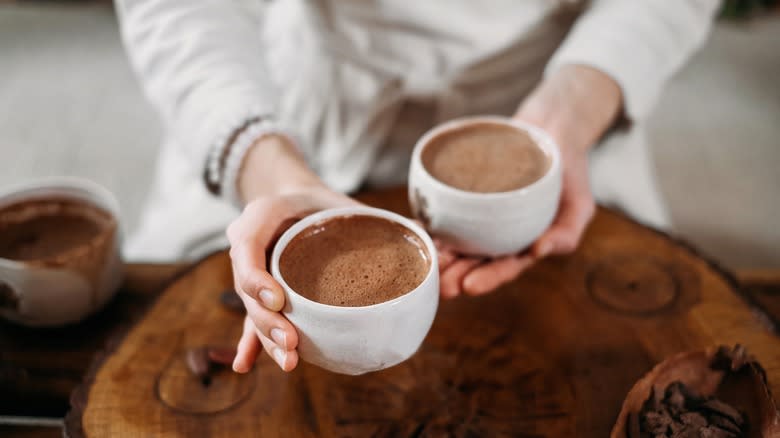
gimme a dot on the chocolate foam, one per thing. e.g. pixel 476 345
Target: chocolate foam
pixel 485 157
pixel 354 260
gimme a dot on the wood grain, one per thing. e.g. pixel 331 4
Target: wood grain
pixel 551 354
pixel 30 432
pixel 763 286
pixel 40 367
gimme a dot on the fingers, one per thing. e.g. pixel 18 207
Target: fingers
pixel 252 340
pixel 254 233
pixel 446 254
pixel 248 348
pixel 286 359
pixel 565 234
pixel 272 325
pixel 575 209
pixel 277 336
pixel 252 280
pixel 490 276
pixel 446 258
pixel 260 222
pixel 451 279
pixel 250 236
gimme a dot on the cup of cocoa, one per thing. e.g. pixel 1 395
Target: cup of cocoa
pixel 487 185
pixel 59 251
pixel 361 286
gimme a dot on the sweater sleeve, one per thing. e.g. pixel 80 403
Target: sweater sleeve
pixel 200 65
pixel 639 43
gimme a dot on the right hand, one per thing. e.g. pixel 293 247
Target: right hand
pixel 252 235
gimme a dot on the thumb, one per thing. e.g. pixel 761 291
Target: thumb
pixel 565 234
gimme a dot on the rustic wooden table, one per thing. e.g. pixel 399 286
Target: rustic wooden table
pixel 552 354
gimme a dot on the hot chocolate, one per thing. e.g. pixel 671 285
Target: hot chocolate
pixel 42 230
pixel 485 157
pixel 354 261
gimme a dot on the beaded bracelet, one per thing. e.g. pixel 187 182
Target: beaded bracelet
pixel 225 162
pixel 235 156
pixel 213 172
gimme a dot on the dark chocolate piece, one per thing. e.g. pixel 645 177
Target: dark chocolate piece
pixel 633 429
pixel 198 361
pixel 693 419
pixel 657 422
pixel 719 408
pixel 725 424
pixel 716 432
pixel 222 355
pixel 683 413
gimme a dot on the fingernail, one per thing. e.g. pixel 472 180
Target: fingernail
pixel 279 337
pixel 545 249
pixel 467 283
pixel 280 355
pixel 267 297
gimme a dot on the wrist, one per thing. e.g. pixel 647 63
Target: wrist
pixel 274 166
pixel 576 105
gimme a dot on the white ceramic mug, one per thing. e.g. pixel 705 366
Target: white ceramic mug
pixel 486 224
pixel 357 340
pixel 51 294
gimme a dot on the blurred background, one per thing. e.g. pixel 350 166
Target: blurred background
pixel 69 105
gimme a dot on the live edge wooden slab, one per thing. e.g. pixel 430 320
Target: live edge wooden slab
pixel 552 354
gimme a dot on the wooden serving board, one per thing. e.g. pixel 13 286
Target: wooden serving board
pixel 552 354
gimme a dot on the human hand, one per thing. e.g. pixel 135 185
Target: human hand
pixel 575 106
pixel 274 207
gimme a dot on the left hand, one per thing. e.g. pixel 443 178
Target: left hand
pixel 575 106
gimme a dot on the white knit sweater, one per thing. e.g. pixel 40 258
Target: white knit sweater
pixel 357 81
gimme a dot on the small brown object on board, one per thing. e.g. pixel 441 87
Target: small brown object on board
pixel 714 392
pixel 551 354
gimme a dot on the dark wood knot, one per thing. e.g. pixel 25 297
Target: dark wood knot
pixel 637 286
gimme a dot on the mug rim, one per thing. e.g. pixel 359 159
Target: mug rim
pixel 330 213
pixel 33 189
pixel 540 137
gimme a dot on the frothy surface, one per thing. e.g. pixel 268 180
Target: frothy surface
pixel 485 157
pixel 354 261
pixel 42 229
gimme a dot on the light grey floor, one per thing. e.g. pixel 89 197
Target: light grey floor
pixel 69 105
pixel 716 139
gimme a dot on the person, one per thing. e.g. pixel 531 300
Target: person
pixel 285 108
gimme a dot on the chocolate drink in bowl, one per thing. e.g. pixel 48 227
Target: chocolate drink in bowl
pixel 361 287
pixel 485 158
pixel 354 261
pixel 46 232
pixel 488 185
pixel 59 251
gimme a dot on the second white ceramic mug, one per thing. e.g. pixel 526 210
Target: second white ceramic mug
pixel 357 340
pixel 56 294
pixel 486 224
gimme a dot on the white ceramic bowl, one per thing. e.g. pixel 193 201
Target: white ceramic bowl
pixel 57 295
pixel 357 340
pixel 486 224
